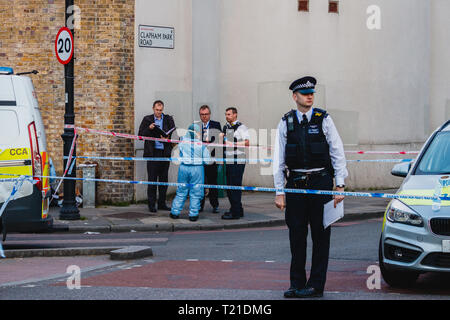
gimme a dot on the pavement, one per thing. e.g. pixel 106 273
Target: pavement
pixel 259 211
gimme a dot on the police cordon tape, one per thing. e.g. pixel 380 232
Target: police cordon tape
pixel 69 159
pixel 219 160
pixel 142 138
pixel 18 182
pixel 257 189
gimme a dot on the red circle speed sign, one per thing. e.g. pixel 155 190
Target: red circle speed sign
pixel 64 45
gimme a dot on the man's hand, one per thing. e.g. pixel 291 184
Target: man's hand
pixel 152 126
pixel 338 199
pixel 280 201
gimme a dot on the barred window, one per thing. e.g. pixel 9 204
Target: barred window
pixel 303 5
pixel 333 6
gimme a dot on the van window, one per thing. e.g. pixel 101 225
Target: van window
pixel 9 126
pixel 6 89
pixel 7 103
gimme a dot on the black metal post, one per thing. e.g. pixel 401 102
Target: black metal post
pixel 69 211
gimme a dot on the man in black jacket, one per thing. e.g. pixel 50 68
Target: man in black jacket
pixel 210 131
pixel 157 170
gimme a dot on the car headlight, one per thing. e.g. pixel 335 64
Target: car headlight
pixel 401 213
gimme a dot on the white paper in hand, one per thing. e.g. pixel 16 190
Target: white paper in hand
pixel 332 214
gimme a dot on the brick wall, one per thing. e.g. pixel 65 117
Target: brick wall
pixel 104 77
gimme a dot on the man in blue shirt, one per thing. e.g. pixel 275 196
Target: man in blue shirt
pixel 157 170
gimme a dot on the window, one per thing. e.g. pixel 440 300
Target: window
pixel 333 6
pixel 436 160
pixel 303 5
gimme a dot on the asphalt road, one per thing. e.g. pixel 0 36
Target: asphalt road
pixel 244 264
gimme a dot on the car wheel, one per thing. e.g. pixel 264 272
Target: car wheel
pixel 396 278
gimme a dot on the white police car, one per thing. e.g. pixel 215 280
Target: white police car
pixel 23 151
pixel 416 233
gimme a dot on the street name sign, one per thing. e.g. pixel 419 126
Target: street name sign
pixel 156 37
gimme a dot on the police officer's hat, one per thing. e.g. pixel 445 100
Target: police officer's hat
pixel 304 85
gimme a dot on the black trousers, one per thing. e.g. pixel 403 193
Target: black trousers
pixel 302 210
pixel 211 178
pixel 234 174
pixel 157 171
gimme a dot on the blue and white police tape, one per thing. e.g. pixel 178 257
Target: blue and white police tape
pixel 177 160
pixel 217 160
pixel 257 189
pixel 18 182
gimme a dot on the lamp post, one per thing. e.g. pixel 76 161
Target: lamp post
pixel 69 211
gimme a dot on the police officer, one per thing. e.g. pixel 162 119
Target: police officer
pixel 310 147
pixel 234 134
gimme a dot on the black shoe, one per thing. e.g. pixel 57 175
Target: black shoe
pixel 174 216
pixel 193 219
pixel 229 216
pixel 290 293
pixel 163 207
pixel 308 293
pixel 151 208
pixel 215 210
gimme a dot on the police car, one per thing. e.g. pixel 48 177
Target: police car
pixel 416 233
pixel 23 151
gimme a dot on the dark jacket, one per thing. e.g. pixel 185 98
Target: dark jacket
pixel 144 130
pixel 214 131
pixel 306 145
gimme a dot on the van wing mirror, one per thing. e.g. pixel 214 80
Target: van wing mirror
pixel 401 169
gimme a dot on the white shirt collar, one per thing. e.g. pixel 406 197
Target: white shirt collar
pixel 308 115
pixel 206 125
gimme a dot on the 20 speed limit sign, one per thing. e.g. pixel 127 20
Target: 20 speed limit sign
pixel 64 45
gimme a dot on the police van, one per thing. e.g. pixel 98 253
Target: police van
pixel 23 152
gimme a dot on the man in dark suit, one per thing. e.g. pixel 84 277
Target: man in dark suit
pixel 210 130
pixel 157 170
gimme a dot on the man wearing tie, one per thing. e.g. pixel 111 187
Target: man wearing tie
pixel 157 170
pixel 210 130
pixel 308 145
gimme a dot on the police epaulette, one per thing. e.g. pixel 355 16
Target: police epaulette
pixel 320 112
pixel 289 113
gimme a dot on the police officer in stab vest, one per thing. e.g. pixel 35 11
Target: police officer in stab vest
pixel 310 147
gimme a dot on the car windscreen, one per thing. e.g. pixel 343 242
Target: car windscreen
pixel 436 159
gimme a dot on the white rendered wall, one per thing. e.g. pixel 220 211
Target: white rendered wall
pixel 164 74
pixel 385 89
pixel 375 83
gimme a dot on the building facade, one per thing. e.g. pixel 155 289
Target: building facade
pixel 382 66
pixel 104 76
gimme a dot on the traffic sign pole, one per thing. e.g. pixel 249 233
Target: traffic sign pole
pixel 69 211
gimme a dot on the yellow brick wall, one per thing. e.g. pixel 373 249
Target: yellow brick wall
pixel 104 77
